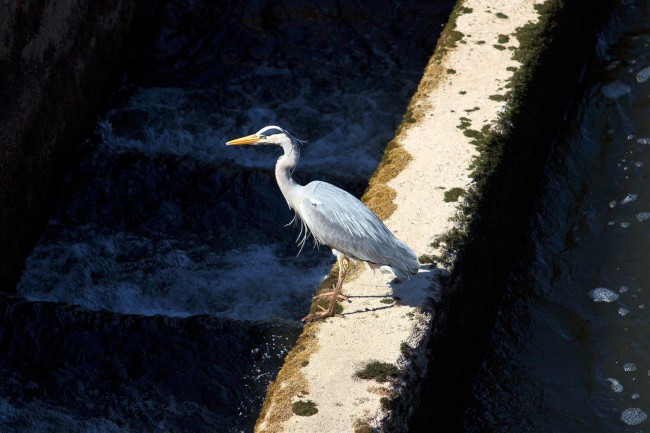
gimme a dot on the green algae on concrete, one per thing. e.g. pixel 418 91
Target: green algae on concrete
pixel 379 371
pixel 304 408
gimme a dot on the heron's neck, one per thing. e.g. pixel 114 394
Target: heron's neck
pixel 283 168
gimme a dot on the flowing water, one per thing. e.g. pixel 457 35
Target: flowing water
pixel 178 282
pixel 570 351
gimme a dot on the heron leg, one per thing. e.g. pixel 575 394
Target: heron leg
pixel 340 296
pixel 336 294
pixel 343 270
pixel 339 284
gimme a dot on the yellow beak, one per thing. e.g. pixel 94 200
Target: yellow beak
pixel 249 139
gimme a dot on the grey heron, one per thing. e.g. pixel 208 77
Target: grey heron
pixel 334 218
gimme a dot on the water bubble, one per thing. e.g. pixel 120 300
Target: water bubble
pixel 616 385
pixel 612 65
pixel 643 75
pixel 636 396
pixel 625 224
pixel 639 163
pixel 630 136
pixel 612 204
pixel 633 416
pixel 629 198
pixel 643 140
pixel 629 367
pixel 602 294
pixel 615 89
pixel 611 223
pixel 643 216
pixel 623 289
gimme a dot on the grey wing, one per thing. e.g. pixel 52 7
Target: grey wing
pixel 341 221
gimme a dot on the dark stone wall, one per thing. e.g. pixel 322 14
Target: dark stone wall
pixel 58 62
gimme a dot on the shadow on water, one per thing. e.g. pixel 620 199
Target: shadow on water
pixel 171 244
pixel 570 349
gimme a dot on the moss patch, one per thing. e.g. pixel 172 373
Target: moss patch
pixel 498 98
pixel 304 408
pixel 464 123
pixel 379 371
pixel 454 194
pixel 362 427
pixel 427 259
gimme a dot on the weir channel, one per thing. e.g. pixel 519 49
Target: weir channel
pixel 164 293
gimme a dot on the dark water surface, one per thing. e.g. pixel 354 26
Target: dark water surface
pixel 178 286
pixel 571 347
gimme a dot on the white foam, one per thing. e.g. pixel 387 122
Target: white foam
pixel 643 216
pixel 629 367
pixel 256 283
pixel 615 89
pixel 616 385
pixel 629 198
pixel 643 75
pixel 602 294
pixel 345 131
pixel 633 416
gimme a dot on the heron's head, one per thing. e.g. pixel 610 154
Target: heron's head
pixel 267 135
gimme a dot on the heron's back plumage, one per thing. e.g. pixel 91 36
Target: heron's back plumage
pixel 338 219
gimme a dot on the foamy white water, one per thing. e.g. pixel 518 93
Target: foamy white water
pixel 346 139
pixel 100 272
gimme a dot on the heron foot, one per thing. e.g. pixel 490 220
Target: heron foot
pixel 339 296
pixel 320 315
